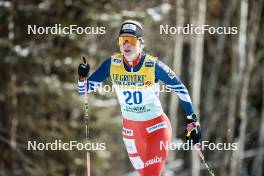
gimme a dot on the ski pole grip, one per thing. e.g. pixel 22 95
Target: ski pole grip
pixel 84 60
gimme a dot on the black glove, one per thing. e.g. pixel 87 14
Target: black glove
pixel 83 70
pixel 193 130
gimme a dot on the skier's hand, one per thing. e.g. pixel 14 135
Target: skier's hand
pixel 83 69
pixel 193 130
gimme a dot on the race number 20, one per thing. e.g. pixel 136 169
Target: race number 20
pixel 133 97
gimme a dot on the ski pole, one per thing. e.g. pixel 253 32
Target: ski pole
pixel 198 149
pixel 88 162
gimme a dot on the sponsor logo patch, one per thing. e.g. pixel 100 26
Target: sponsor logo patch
pixel 117 61
pixel 127 132
pixel 130 145
pixel 149 63
pixel 156 127
pixel 129 27
pixel 147 83
pixel 129 80
pixel 153 161
pixel 137 162
pixel 136 109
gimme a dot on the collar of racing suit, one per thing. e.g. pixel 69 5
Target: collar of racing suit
pixel 135 62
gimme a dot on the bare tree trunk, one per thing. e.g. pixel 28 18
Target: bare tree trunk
pixel 242 58
pixel 11 24
pixel 258 165
pixel 197 57
pixel 256 23
pixel 232 103
pixel 193 19
pixel 252 34
pixel 177 62
pixel 13 90
pixel 13 116
pixel 219 55
pixel 14 122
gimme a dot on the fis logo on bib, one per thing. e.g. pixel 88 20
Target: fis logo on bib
pixel 149 63
pixel 117 61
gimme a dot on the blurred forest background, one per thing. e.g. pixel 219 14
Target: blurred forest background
pixel 38 91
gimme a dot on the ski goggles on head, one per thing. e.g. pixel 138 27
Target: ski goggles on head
pixel 132 40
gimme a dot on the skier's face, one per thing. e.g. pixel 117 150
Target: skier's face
pixel 129 46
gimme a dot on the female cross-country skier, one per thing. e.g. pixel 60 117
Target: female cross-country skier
pixel 135 76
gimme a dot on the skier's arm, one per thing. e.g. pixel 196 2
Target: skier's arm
pixel 167 76
pixel 96 79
